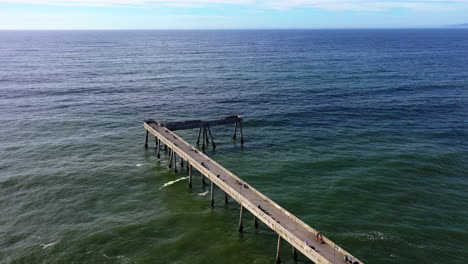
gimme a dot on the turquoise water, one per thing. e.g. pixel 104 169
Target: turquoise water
pixel 362 134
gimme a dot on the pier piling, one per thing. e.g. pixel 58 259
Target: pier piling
pixel 146 139
pixel 241 226
pixel 174 157
pixel 212 139
pixel 235 132
pixel 203 138
pixel 294 253
pixel 170 159
pixel 199 134
pixel 278 251
pixel 212 194
pixel 158 149
pixel 190 175
pixel 206 136
pixel 241 132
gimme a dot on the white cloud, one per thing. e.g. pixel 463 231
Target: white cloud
pixel 365 5
pixel 335 5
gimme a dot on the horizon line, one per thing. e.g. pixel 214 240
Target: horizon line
pixel 214 29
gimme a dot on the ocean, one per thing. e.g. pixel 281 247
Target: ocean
pixel 362 134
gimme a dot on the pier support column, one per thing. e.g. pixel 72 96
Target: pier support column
pixel 255 222
pixel 207 138
pixel 174 157
pixel 190 175
pixel 241 132
pixel 278 248
pixel 241 226
pixel 170 158
pixel 226 200
pixel 212 194
pixel 158 149
pixel 181 163
pixel 203 138
pixel 212 139
pixel 203 179
pixel 199 134
pixel 235 132
pixel 294 253
pixel 146 139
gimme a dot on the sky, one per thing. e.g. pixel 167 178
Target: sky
pixel 229 14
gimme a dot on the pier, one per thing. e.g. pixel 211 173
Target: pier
pixel 290 229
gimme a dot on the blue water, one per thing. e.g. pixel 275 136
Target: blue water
pixel 360 133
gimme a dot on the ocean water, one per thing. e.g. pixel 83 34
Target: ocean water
pixel 360 133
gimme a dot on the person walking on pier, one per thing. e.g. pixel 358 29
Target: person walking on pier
pixel 320 238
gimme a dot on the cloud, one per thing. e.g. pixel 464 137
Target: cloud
pixel 365 5
pixel 333 5
pixel 135 3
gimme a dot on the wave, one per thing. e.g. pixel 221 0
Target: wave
pixel 44 246
pixel 172 182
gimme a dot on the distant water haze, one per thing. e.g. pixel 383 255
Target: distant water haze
pixel 360 133
pixel 461 25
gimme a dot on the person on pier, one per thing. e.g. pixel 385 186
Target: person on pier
pixel 320 238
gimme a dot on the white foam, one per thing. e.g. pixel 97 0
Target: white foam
pixel 172 182
pixel 44 246
pixel 139 165
pixel 203 193
pixel 122 259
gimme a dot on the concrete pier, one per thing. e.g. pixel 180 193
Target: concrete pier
pixel 289 228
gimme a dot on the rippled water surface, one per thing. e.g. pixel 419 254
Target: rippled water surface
pixel 360 133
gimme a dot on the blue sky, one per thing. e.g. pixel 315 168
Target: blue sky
pixel 229 14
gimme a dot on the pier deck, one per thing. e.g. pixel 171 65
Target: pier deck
pixel 301 236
